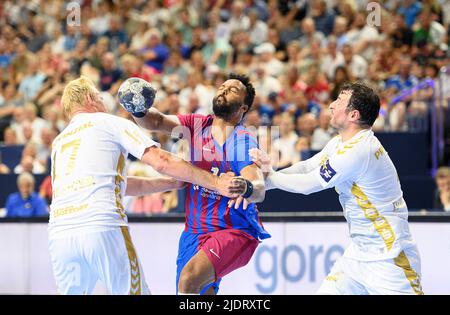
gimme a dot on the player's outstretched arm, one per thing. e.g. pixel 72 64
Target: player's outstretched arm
pixel 156 121
pixel 138 186
pixel 262 159
pixel 295 183
pixel 168 164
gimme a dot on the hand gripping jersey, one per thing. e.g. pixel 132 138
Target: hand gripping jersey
pixel 370 194
pixel 88 178
pixel 207 211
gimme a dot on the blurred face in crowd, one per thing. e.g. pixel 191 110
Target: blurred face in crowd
pixel 9 137
pixel 286 126
pixel 340 25
pixel 108 61
pixel 360 20
pixel 347 53
pixel 252 119
pixel 324 119
pixel 229 100
pixel 27 131
pixel 19 115
pixel 308 26
pixel 27 166
pixel 10 92
pixel 26 187
pixel 443 180
pixel 405 66
pixel 306 123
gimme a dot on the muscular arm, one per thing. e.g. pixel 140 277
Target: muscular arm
pixel 295 183
pixel 156 121
pixel 138 186
pixel 168 164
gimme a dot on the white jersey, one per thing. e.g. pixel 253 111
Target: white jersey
pixel 370 194
pixel 88 178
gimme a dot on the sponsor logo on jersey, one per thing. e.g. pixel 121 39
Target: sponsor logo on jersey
pixel 326 171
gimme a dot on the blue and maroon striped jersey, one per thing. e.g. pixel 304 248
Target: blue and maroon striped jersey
pixel 206 210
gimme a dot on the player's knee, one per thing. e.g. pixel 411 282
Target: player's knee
pixel 189 282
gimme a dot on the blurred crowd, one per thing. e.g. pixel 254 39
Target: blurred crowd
pixel 297 53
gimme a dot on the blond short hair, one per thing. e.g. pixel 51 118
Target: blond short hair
pixel 75 93
pixel 25 177
pixel 443 171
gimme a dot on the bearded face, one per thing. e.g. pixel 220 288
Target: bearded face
pixel 224 108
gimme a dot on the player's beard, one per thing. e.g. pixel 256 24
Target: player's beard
pixel 224 109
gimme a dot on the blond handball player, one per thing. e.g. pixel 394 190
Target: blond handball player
pixel 89 239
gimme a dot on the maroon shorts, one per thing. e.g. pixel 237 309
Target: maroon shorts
pixel 228 249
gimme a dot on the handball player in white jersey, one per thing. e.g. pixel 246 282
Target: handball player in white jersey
pixel 89 238
pixel 382 257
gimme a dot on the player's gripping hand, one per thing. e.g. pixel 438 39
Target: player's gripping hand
pixel 240 186
pixel 262 160
pixel 136 96
pixel 225 185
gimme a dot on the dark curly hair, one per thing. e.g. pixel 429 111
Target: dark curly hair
pixel 364 100
pixel 250 90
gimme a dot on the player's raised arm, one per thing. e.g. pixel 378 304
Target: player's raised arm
pixel 137 96
pixel 138 186
pixel 157 121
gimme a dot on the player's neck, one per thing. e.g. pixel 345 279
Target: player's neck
pixel 221 129
pixel 347 134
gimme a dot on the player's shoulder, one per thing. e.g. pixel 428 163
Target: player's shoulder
pixel 196 119
pixel 359 146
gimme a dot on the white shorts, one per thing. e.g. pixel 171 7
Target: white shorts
pixel 400 275
pixel 80 259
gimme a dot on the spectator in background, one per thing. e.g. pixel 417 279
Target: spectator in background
pixel 340 30
pixel 403 79
pixel 323 18
pixel 118 39
pixel 264 83
pixel 216 51
pixel 26 202
pixel 38 37
pixel 110 74
pixel 362 36
pixel 33 81
pixel 29 162
pixel 309 33
pixel 306 124
pixel 258 29
pixel 409 10
pixel 9 137
pixel 355 65
pixel 442 193
pixel 428 30
pixel 285 145
pixel 37 123
pixel 266 58
pixel 155 52
pixel 323 133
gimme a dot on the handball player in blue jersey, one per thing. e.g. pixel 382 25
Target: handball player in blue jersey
pixel 219 237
